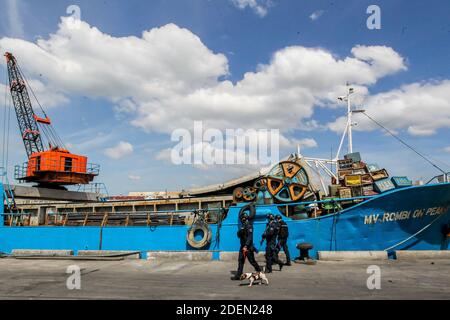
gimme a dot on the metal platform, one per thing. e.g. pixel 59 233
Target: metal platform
pixel 25 192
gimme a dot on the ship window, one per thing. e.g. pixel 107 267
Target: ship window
pixel 68 164
pixel 38 163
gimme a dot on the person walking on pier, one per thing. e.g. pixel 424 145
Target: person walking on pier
pixel 282 239
pixel 270 236
pixel 247 249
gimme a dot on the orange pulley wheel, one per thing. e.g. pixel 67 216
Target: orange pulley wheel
pixel 287 181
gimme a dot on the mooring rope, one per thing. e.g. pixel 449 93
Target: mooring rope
pixel 404 143
pixel 415 234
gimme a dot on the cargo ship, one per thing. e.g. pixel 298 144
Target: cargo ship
pixel 335 204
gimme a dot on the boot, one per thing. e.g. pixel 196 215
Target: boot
pixel 281 266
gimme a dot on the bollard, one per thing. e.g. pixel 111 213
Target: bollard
pixel 304 253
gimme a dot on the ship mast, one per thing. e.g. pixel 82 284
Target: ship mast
pixel 317 164
pixel 348 127
pixel 349 116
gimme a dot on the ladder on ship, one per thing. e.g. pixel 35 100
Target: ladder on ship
pixel 8 193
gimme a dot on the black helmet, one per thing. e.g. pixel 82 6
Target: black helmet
pixel 244 217
pixel 270 216
pixel 278 217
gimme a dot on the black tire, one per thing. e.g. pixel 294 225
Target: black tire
pixel 250 207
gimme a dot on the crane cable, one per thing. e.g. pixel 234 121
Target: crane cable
pixel 404 143
pixel 6 131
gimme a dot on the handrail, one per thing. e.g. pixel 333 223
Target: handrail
pixel 446 177
pixel 21 171
pixel 334 200
pixel 143 213
pixel 10 204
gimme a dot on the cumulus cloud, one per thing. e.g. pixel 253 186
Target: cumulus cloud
pixel 121 150
pixel 259 7
pixel 296 79
pixel 48 97
pixel 256 148
pixel 419 108
pixel 167 78
pixel 303 143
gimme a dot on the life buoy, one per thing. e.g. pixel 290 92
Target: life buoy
pixel 206 239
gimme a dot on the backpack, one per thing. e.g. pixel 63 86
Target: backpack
pixel 284 231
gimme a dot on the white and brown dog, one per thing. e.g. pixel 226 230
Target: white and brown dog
pixel 255 276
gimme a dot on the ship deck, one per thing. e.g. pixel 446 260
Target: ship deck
pixel 130 212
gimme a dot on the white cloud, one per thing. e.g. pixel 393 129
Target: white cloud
pixel 303 143
pixel 168 78
pixel 134 177
pixel 419 108
pixel 120 150
pixel 296 79
pixel 212 152
pixel 259 7
pixel 47 96
pixel 15 23
pixel 316 15
pixel 125 106
pixel 447 149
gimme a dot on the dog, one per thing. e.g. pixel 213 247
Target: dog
pixel 255 276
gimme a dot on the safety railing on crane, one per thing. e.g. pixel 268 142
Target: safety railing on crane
pixel 46 165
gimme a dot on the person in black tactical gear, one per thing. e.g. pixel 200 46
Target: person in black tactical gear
pixel 282 239
pixel 270 236
pixel 245 234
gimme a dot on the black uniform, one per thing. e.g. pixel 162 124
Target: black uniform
pixel 270 235
pixel 282 240
pixel 245 235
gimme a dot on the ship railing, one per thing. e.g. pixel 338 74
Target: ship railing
pixel 8 194
pixel 313 209
pixel 131 218
pixel 93 187
pixel 316 208
pixel 442 178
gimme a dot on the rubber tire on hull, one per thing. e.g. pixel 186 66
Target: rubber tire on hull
pixel 250 207
pixel 207 235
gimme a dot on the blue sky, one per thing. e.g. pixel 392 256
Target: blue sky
pixel 404 78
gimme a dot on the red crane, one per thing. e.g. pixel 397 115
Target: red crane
pixel 51 167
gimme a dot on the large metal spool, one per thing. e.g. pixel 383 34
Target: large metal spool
pixel 286 182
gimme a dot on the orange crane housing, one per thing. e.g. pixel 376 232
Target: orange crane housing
pixel 56 166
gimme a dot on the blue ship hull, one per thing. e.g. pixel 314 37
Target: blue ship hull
pixel 403 219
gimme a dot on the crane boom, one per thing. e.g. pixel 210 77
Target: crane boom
pixel 26 117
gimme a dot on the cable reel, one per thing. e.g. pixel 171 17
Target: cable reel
pixel 287 181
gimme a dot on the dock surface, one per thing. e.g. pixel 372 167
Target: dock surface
pixel 142 279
